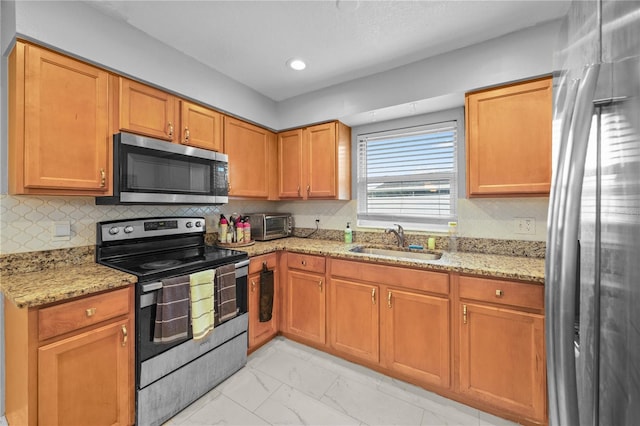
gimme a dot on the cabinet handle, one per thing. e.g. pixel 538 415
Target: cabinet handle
pixel 389 300
pixel 229 187
pixel 253 285
pixel 103 178
pixel 464 314
pixel 373 296
pixel 499 293
pixel 170 130
pixel 298 190
pixel 91 312
pixel 320 285
pixel 308 189
pixel 125 334
pixel 187 134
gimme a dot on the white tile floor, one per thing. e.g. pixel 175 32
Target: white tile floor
pixel 285 383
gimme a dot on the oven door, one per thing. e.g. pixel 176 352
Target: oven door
pixel 146 313
pixel 151 171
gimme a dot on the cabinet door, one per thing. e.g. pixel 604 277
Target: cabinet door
pixel 306 311
pixel 290 164
pixel 502 358
pixel 416 337
pixel 251 151
pixel 320 161
pixel 200 127
pixel 354 319
pixel 66 133
pixel 84 379
pixel 260 332
pixel 147 111
pixel 509 139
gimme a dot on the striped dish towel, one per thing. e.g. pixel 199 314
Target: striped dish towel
pixel 226 292
pixel 172 310
pixel 202 309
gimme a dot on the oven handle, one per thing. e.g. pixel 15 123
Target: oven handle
pixel 241 271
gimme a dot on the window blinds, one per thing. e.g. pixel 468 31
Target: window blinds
pixel 408 175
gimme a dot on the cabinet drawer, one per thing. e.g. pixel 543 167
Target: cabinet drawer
pixel 305 262
pixel 255 264
pixel 502 292
pixel 434 282
pixel 81 313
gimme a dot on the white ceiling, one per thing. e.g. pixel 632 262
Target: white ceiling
pixel 250 41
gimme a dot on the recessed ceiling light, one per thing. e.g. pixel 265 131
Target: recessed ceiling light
pixel 296 64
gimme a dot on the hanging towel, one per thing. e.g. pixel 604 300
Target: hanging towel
pixel 172 310
pixel 266 294
pixel 226 291
pixel 202 308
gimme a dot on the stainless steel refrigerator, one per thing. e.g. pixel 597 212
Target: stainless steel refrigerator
pixel 592 291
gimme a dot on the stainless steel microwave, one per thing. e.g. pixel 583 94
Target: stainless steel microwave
pixel 269 226
pixel 151 171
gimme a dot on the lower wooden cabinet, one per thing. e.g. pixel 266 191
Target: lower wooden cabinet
pixel 262 332
pixel 71 363
pixel 502 352
pixel 400 329
pixel 306 298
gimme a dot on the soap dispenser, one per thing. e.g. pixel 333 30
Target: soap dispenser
pixel 348 234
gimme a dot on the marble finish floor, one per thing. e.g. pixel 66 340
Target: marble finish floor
pixel 285 383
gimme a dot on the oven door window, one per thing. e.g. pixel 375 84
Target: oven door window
pixel 147 170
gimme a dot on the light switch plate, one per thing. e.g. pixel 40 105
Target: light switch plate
pixel 61 231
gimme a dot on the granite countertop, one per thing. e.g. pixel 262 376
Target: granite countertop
pixel 492 265
pixel 31 289
pixel 60 281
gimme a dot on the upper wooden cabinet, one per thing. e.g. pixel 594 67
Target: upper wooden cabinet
pixel 201 127
pixel 252 160
pixel 59 140
pixel 509 139
pixel 152 112
pixel 146 110
pixel 315 162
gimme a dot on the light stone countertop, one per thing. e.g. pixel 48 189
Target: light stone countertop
pixel 62 282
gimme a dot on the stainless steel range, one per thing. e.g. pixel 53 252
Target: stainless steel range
pixel 170 376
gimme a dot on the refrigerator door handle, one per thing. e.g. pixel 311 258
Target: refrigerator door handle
pixel 561 257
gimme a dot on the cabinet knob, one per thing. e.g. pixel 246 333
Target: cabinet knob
pixel 304 263
pixel 499 293
pixel 91 312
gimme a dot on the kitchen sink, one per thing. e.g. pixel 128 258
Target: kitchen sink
pixel 401 253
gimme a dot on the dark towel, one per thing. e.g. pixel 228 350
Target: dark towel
pixel 226 292
pixel 266 294
pixel 172 310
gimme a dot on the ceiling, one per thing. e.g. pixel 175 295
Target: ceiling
pixel 341 40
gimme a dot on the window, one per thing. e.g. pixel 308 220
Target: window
pixel 408 176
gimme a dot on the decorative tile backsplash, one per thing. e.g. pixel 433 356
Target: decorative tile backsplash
pixel 26 223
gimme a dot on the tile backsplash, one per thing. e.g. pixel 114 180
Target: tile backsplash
pixel 26 222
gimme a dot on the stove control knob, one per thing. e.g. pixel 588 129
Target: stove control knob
pixel 189 225
pixel 128 229
pixel 198 224
pixel 114 230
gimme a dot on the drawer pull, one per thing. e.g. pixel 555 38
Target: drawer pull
pixel 373 296
pixel 304 263
pixel 91 312
pixel 125 334
pixel 464 314
pixel 499 293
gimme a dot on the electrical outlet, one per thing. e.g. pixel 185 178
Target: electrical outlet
pixel 525 225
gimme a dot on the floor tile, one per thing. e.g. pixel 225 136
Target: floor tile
pixel 288 406
pixel 249 387
pixel 370 405
pixel 223 411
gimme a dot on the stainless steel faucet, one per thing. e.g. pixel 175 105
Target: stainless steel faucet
pixel 399 234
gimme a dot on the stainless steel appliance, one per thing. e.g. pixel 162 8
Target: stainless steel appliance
pixel 170 376
pixel 269 226
pixel 151 171
pixel 593 248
